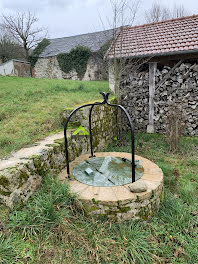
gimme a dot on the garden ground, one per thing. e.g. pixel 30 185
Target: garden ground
pixel 30 108
pixel 52 226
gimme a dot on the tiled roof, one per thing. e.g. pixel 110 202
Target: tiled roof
pixel 168 37
pixel 91 40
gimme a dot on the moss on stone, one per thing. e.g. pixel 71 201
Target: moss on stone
pixel 4 182
pixel 4 193
pixel 162 196
pixel 40 166
pixel 95 202
pixel 144 213
pixel 23 177
pixel 54 145
pixel 34 157
pixel 152 194
pixel 137 199
pixel 59 141
pixel 124 209
pixel 90 209
pixel 111 212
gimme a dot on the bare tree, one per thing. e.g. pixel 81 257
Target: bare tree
pixel 179 11
pixel 22 27
pixel 124 15
pixel 159 12
pixel 119 62
pixel 9 49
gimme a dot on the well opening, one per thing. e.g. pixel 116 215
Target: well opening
pixel 106 171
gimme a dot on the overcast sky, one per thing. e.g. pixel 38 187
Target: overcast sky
pixel 71 17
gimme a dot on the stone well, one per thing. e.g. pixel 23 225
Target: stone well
pixel 119 202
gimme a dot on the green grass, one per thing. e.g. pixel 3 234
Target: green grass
pixel 30 108
pixel 52 228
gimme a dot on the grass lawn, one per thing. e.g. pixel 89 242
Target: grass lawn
pixel 51 227
pixel 30 108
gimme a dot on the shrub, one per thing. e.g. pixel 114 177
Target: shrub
pixel 37 51
pixel 76 59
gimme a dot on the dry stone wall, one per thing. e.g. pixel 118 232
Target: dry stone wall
pixel 21 173
pixel 49 68
pixel 180 88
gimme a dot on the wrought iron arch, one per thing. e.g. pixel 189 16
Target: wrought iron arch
pixel 105 101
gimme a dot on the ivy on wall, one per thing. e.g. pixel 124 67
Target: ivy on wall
pixel 103 49
pixel 76 59
pixel 37 51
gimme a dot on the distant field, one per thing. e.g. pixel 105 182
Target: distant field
pixel 30 108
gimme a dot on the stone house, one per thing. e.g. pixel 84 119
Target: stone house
pixel 47 65
pixel 15 68
pixel 159 63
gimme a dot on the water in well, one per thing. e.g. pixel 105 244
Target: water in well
pixel 106 171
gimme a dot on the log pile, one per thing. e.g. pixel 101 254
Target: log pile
pixel 180 88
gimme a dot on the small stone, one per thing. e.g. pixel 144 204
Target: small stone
pixel 89 171
pixel 138 186
pixel 193 106
pixel 150 129
pixel 195 68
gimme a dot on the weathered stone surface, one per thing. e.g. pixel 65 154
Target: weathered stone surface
pixel 138 186
pixel 48 68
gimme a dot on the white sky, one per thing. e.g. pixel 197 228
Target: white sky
pixel 71 17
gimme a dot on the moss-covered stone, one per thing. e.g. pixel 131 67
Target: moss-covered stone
pixel 137 199
pixel 40 166
pixel 124 209
pixel 4 193
pixel 152 194
pixel 4 182
pixel 23 177
pixel 94 201
pixel 162 196
pixel 144 213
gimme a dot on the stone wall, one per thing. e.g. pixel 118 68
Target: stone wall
pixel 49 68
pixel 96 69
pixel 21 173
pixel 181 88
pixel 104 120
pixel 21 69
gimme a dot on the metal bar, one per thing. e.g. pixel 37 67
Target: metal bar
pixel 90 128
pixel 105 101
pixel 65 135
pixel 65 132
pixel 132 138
pixel 90 132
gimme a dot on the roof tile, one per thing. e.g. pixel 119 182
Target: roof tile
pixel 91 40
pixel 175 35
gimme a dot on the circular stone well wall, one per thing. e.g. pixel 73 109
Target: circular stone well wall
pixel 118 202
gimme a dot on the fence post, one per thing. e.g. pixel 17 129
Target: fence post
pixel 152 71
